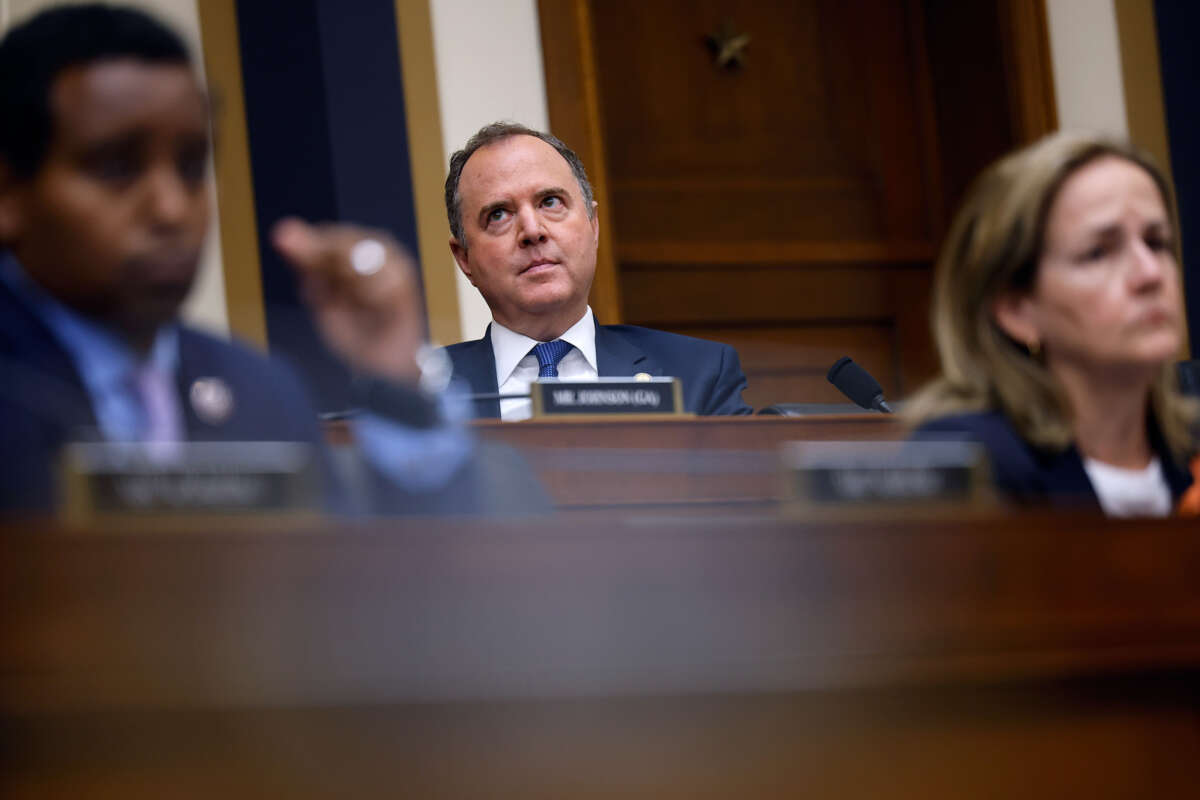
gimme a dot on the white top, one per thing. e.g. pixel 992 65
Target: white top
pixel 1130 492
pixel 516 367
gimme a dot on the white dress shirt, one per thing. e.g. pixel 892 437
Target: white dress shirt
pixel 516 367
pixel 1130 492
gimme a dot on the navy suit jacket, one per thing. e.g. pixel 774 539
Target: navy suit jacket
pixel 1029 476
pixel 44 404
pixel 710 371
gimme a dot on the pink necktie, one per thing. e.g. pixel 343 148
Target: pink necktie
pixel 160 404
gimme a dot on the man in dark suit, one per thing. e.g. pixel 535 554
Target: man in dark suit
pixel 104 208
pixel 232 395
pixel 524 232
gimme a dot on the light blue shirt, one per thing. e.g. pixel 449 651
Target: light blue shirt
pixel 106 363
pixel 420 460
pixel 417 460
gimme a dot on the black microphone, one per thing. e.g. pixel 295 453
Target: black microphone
pixel 857 384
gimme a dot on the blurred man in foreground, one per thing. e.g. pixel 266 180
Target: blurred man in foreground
pixel 103 212
pixel 523 229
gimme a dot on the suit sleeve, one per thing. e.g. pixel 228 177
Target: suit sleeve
pixel 726 395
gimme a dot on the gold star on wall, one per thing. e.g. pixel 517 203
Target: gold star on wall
pixel 728 46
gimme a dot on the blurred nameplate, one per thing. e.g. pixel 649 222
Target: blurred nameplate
pixel 133 479
pixel 838 473
pixel 554 397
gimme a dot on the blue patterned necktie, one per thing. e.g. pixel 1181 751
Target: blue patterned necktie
pixel 548 355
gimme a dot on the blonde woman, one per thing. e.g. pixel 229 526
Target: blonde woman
pixel 1058 316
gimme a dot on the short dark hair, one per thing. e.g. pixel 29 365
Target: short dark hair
pixel 34 53
pixel 496 132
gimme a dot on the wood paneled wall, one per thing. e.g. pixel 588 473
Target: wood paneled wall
pixel 793 205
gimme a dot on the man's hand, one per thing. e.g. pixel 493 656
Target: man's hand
pixel 362 288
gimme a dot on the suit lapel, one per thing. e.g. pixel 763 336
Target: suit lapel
pixel 1178 475
pixel 43 378
pixel 191 369
pixel 617 357
pixel 475 362
pixel 1066 481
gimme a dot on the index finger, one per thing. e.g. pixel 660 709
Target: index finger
pixel 293 238
pixel 340 251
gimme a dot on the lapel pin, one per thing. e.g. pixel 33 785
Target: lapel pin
pixel 212 400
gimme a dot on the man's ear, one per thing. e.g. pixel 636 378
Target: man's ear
pixel 460 257
pixel 595 222
pixel 11 205
pixel 1014 313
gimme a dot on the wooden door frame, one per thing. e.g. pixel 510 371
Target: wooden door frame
pixel 1030 69
pixel 573 100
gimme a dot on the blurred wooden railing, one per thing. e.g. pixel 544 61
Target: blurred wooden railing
pixel 618 655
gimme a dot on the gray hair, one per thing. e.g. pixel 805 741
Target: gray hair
pixel 497 132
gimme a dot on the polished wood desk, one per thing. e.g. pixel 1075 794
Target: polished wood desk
pixel 672 462
pixel 628 656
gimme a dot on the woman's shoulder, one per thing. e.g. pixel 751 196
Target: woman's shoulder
pixel 1022 471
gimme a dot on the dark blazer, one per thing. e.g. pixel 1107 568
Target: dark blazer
pixel 44 404
pixel 710 371
pixel 1029 476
